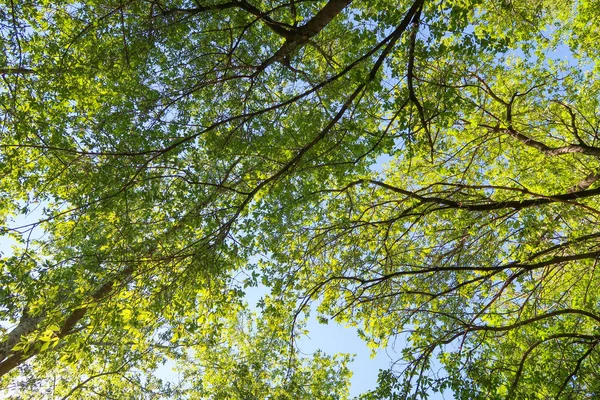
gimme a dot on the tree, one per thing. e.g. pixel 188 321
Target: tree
pixel 163 146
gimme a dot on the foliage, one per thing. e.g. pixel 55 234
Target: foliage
pixel 175 154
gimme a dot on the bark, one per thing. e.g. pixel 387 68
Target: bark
pixel 586 182
pixel 303 34
pixel 16 71
pixel 554 151
pixel 13 359
pixel 492 205
pixel 26 325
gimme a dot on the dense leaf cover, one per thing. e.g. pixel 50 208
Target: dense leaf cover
pixel 425 171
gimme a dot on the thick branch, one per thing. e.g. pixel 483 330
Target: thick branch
pixel 534 319
pixel 493 205
pixel 302 35
pixel 26 325
pixel 16 71
pixel 18 357
pixel 277 27
pixel 323 17
pixel 544 148
pixel 586 182
pixel 460 268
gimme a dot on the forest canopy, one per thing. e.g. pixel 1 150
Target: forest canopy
pixel 426 172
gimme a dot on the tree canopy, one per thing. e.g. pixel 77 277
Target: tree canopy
pixel 425 171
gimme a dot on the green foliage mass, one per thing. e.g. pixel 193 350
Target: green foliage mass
pixel 424 171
